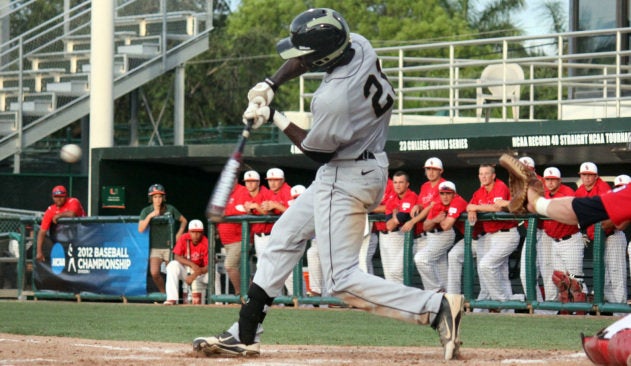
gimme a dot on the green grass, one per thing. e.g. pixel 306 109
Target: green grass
pixel 180 324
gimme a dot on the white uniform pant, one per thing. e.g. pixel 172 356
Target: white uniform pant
pixel 260 243
pixel 391 246
pixel 367 252
pixel 615 268
pixel 333 210
pixel 543 265
pixel 493 265
pixel 455 258
pixel 177 272
pixel 315 269
pixel 567 256
pixel 431 261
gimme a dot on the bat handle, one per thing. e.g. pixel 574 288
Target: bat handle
pixel 247 128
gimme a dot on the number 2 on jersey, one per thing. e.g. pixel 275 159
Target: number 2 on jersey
pixel 373 81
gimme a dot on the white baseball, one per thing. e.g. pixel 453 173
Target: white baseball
pixel 70 153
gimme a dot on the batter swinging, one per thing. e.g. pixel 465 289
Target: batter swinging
pixel 351 112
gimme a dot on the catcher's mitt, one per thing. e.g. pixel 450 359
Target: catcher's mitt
pixel 520 177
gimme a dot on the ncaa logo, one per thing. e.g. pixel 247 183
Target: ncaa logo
pixel 57 258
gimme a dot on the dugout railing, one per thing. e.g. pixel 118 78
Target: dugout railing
pixel 597 304
pixel 24 228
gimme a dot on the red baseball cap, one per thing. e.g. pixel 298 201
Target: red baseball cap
pixel 59 191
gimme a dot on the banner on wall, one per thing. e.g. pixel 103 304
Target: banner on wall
pixel 102 258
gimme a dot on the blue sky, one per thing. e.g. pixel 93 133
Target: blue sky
pixel 530 19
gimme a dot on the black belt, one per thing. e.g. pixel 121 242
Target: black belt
pixel 365 156
pixel 562 239
pixel 500 230
pixel 260 235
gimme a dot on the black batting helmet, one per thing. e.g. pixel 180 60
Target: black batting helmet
pixel 320 36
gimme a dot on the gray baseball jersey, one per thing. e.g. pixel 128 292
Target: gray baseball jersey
pixel 345 106
pixel 351 112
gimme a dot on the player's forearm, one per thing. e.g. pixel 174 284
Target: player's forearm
pixel 428 225
pixel 291 69
pixel 40 240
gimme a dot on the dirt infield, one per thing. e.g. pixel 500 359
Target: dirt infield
pixel 33 350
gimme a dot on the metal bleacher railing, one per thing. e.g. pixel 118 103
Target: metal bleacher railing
pixel 45 70
pixel 571 75
pixel 15 226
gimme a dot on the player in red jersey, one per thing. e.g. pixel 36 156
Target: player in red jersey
pixel 428 193
pixel 565 241
pixel 501 237
pixel 615 243
pixel 230 233
pixel 189 264
pixel 63 206
pixel 398 209
pixel 443 231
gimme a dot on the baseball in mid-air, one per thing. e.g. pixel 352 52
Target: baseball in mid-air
pixel 70 153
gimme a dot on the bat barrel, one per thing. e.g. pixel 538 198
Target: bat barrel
pixel 223 188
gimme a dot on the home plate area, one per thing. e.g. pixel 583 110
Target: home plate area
pixel 35 350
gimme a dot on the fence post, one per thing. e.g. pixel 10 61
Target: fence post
pixel 297 285
pixel 408 258
pixel 599 264
pixel 245 259
pixel 531 260
pixel 210 286
pixel 467 280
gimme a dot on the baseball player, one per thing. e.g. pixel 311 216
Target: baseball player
pixel 565 241
pixel 230 233
pixel 273 201
pixel 619 182
pixel 615 286
pixel 611 345
pixel 391 241
pixel 443 230
pixel 189 264
pixel 455 259
pixel 351 112
pixel 543 262
pixel 63 206
pixel 252 206
pixel 367 252
pixel 428 193
pixel 501 237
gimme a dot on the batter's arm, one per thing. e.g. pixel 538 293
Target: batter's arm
pixel 297 135
pixel 290 69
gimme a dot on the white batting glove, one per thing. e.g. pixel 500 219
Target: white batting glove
pixel 262 93
pixel 253 112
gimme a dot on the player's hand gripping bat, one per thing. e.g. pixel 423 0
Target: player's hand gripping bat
pixel 217 203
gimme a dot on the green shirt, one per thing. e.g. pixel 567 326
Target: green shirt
pixel 160 235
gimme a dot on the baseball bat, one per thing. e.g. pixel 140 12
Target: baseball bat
pixel 218 200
